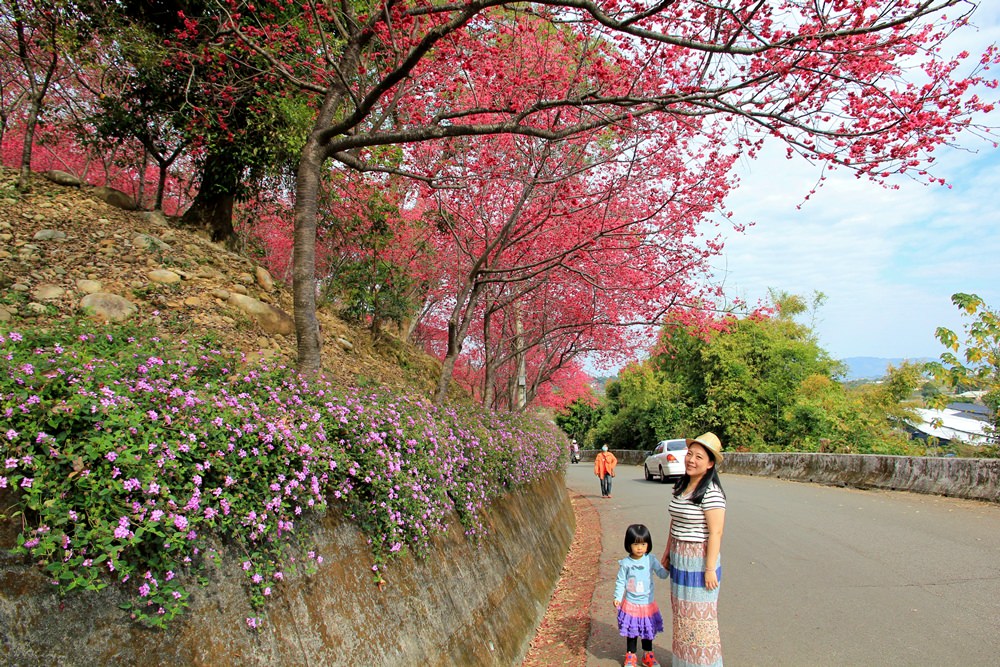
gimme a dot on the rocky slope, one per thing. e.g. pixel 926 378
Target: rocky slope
pixel 65 250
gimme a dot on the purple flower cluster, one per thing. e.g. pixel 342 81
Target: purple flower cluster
pixel 131 458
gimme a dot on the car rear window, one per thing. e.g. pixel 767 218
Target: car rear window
pixel 676 445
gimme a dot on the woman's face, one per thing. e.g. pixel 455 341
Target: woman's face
pixel 697 462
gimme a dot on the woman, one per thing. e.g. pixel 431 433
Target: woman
pixel 604 468
pixel 697 514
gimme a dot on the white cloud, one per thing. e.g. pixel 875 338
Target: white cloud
pixel 888 260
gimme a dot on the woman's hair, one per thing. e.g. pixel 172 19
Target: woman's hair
pixel 709 478
pixel 637 532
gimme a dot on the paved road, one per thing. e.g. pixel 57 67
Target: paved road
pixel 816 576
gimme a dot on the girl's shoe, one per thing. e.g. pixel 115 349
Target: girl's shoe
pixel 649 660
pixel 631 660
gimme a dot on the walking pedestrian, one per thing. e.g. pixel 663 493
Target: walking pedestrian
pixel 604 468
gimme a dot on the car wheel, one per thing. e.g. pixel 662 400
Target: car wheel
pixel 649 475
pixel 663 476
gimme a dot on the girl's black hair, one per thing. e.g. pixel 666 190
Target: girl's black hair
pixel 637 532
pixel 709 478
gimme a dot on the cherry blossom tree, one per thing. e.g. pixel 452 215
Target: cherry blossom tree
pixel 857 84
pixel 545 241
pixel 36 34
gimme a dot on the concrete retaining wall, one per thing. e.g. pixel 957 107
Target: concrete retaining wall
pixel 461 605
pixel 975 479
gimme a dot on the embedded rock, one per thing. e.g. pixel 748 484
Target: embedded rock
pixel 272 320
pixel 163 276
pixel 63 178
pixel 108 307
pixel 115 198
pixel 48 292
pixel 264 279
pixel 89 286
pixel 149 242
pixel 156 217
pixel 49 235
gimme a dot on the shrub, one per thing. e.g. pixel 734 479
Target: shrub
pixel 133 458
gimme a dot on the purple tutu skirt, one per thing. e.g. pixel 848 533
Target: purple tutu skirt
pixel 639 620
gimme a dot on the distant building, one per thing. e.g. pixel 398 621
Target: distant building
pixel 950 425
pixel 971 410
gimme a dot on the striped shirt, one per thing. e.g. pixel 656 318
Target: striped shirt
pixel 687 520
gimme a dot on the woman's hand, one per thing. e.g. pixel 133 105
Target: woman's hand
pixel 711 580
pixel 665 560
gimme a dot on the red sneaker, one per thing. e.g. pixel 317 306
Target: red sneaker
pixel 631 660
pixel 649 660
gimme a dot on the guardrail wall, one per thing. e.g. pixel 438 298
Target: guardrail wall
pixel 975 479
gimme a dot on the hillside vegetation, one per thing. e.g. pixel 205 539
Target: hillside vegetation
pixel 118 249
pixel 137 451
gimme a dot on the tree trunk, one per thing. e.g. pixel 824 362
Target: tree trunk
pixel 304 260
pixel 489 370
pixel 213 205
pixel 23 178
pixel 161 185
pixel 140 195
pixel 519 400
pixel 458 327
pixel 448 365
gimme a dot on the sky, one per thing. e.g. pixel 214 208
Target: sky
pixel 887 260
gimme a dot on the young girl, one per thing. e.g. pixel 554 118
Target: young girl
pixel 638 615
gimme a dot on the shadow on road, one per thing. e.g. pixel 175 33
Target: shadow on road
pixel 608 649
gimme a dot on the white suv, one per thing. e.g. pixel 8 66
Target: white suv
pixel 667 460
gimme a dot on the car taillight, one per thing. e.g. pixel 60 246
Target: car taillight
pixel 671 457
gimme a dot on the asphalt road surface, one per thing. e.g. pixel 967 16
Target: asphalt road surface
pixel 816 575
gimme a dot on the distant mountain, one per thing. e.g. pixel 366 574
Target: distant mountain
pixel 873 368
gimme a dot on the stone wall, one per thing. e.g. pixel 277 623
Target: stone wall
pixel 461 605
pixel 975 479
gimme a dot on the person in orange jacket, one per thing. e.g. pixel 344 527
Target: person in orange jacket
pixel 604 468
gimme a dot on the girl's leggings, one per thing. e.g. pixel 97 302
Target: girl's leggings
pixel 630 643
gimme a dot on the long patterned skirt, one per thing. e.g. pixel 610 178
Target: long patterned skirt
pixel 695 609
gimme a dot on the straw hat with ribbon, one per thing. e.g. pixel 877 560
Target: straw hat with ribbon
pixel 709 441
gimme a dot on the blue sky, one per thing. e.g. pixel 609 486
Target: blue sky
pixel 887 260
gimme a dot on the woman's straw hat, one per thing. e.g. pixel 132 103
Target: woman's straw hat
pixel 709 441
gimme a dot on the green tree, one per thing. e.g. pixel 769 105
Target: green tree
pixel 579 418
pixel 740 379
pixel 240 129
pixel 762 384
pixel 643 407
pixel 826 417
pixel 975 361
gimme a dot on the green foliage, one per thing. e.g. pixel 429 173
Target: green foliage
pixel 739 381
pixel 367 284
pixel 643 408
pixel 972 363
pixel 866 420
pixel 373 290
pixel 580 417
pixel 761 384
